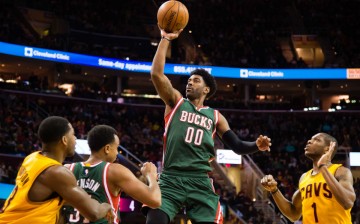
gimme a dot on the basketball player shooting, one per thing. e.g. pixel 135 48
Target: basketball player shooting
pixel 190 128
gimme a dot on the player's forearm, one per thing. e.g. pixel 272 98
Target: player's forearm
pixel 154 191
pixel 94 212
pixel 344 196
pixel 158 63
pixel 238 146
pixel 286 207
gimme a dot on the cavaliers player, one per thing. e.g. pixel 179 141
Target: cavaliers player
pixel 326 194
pixel 43 183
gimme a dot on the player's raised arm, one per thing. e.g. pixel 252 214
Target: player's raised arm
pixel 162 83
pixel 341 184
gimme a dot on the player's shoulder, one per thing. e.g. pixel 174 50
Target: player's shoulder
pixel 304 175
pixel 342 167
pixel 58 170
pixel 68 165
pixel 341 171
pixel 116 167
pixel 71 166
pixel 54 173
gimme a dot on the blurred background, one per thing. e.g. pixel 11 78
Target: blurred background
pixel 317 39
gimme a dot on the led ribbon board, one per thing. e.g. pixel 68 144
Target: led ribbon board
pixel 177 69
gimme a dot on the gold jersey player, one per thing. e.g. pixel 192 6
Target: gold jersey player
pixel 326 194
pixel 190 128
pixel 43 184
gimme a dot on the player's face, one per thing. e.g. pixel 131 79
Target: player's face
pixel 315 146
pixel 114 149
pixel 196 87
pixel 71 141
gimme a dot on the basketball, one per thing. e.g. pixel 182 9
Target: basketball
pixel 172 16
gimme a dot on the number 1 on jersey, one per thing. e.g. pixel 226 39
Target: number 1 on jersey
pixel 315 213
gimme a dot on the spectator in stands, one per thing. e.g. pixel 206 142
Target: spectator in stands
pixel 3 173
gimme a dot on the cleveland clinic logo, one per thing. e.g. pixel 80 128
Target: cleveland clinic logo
pixel 244 73
pixel 28 52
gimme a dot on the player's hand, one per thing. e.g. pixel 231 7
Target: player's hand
pixel 263 143
pixel 149 169
pixel 170 36
pixel 110 216
pixel 326 158
pixel 269 183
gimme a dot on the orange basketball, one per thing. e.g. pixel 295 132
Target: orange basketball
pixel 172 16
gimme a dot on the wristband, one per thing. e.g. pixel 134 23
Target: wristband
pixel 321 165
pixel 274 192
pixel 163 37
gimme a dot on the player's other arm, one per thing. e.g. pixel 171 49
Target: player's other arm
pixel 124 179
pixel 291 209
pixel 162 83
pixel 63 182
pixel 341 185
pixel 262 143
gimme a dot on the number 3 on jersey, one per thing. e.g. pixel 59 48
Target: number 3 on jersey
pixel 190 138
pixel 76 217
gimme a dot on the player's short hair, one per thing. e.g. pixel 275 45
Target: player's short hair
pixel 209 80
pixel 99 136
pixel 52 129
pixel 328 138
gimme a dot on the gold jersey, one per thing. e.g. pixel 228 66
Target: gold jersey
pixel 18 208
pixel 318 202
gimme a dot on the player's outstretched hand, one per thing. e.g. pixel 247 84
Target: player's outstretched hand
pixel 170 36
pixel 326 158
pixel 263 143
pixel 269 183
pixel 110 216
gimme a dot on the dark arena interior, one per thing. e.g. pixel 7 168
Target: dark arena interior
pixel 284 69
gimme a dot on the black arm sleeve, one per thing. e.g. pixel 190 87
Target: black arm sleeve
pixel 238 146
